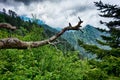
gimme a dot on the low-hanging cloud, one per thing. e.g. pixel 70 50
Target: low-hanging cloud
pixel 56 13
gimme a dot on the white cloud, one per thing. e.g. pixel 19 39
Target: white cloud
pixel 57 13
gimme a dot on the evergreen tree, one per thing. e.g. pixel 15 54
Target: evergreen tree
pixel 111 11
pixel 107 60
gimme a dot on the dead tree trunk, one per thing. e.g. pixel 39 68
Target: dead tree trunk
pixel 14 43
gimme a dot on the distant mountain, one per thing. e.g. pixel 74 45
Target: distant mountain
pixel 88 35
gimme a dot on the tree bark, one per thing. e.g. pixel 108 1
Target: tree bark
pixel 14 43
pixel 7 26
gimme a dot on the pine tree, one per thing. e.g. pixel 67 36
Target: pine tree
pixel 111 11
pixel 109 59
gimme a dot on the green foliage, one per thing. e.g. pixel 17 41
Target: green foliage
pixel 43 63
pixel 95 73
pixel 111 11
pixel 47 62
pixel 107 62
pixel 101 42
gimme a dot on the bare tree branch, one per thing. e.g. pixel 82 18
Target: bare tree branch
pixel 7 26
pixel 10 43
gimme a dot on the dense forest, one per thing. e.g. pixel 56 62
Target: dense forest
pixel 51 62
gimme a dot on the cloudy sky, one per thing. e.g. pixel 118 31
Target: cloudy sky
pixel 58 13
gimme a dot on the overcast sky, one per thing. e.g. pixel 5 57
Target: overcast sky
pixel 58 13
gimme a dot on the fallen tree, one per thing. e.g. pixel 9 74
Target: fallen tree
pixel 15 43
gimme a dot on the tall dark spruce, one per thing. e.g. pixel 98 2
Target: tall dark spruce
pixel 113 12
pixel 109 59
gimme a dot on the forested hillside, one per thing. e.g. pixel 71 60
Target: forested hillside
pixel 42 63
pixel 88 35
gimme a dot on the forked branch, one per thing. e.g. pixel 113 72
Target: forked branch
pixel 10 43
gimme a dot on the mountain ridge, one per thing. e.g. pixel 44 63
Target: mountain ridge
pixel 88 35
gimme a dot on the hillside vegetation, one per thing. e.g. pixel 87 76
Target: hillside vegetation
pixel 42 63
pixel 46 62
